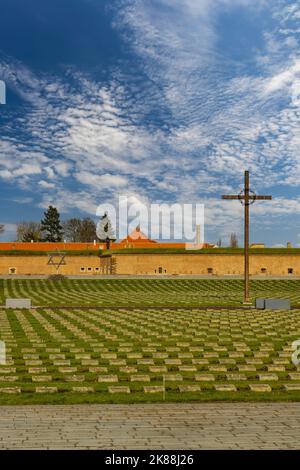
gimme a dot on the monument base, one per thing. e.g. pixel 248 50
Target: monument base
pixel 247 304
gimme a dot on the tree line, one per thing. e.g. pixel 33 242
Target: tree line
pixel 51 229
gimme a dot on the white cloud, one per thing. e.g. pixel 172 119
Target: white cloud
pixel 219 116
pixel 284 79
pixel 67 201
pixel 46 185
pixel 101 181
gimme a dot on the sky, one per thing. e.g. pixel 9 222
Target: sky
pixel 159 100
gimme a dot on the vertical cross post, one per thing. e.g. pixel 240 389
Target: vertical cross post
pixel 246 240
pixel 246 197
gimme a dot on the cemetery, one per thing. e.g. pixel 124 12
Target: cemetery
pixel 145 339
pixel 149 234
pixel 132 341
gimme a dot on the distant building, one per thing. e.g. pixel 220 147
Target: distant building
pixel 137 239
pixel 257 245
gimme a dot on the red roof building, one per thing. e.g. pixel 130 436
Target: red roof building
pixel 136 239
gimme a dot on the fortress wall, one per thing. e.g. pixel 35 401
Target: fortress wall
pixel 202 263
pixel 38 265
pixel 221 264
pixel 275 264
pixel 178 264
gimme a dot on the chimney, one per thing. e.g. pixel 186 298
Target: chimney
pixel 198 235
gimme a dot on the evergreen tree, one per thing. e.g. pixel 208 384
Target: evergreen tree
pixel 105 231
pixel 50 226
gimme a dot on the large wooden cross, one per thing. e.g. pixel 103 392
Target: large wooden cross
pixel 247 197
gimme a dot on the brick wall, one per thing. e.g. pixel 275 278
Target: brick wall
pixel 149 263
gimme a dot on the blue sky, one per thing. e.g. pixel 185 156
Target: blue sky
pixel 161 100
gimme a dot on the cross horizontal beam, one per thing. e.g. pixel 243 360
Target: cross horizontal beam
pixel 251 197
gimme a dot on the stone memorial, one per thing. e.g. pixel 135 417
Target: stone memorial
pixel 18 303
pixel 272 304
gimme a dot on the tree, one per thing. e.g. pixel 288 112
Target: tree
pixel 219 242
pixel 50 226
pixel 2 229
pixel 88 230
pixel 80 230
pixel 71 229
pixel 234 240
pixel 105 231
pixel 27 231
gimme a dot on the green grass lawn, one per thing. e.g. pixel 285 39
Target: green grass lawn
pixel 145 292
pixel 57 355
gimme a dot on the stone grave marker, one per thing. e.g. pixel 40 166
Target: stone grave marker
pixel 18 303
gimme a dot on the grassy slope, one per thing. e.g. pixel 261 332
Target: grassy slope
pixel 125 251
pixel 45 253
pixel 204 251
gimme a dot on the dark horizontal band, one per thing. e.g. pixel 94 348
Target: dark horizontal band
pixel 251 197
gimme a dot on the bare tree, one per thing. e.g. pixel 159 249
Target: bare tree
pixel 2 229
pixel 88 230
pixel 80 230
pixel 71 229
pixel 234 240
pixel 27 231
pixel 219 243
